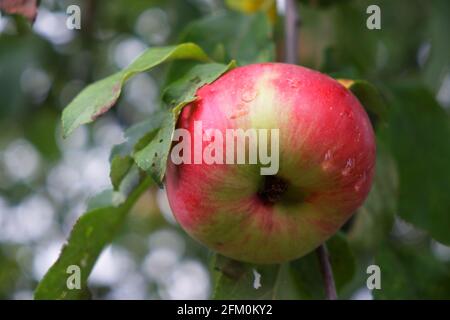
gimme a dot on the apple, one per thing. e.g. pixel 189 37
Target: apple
pixel 326 164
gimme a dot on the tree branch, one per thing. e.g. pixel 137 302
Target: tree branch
pixel 291 40
pixel 291 27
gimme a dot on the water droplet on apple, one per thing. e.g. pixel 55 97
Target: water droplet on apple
pixel 360 182
pixel 346 113
pixel 327 156
pixel 293 83
pixel 249 95
pixel 326 164
pixel 348 166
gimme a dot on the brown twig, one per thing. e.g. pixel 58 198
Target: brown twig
pixel 327 272
pixel 291 27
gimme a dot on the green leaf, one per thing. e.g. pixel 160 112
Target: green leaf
pixel 10 273
pixel 373 221
pixel 342 260
pixel 101 200
pixel 437 65
pixel 91 233
pixel 306 275
pixel 418 135
pixel 349 24
pixel 236 280
pixel 298 279
pixel 120 166
pixel 100 96
pixel 136 133
pixel 185 87
pixel 370 98
pixel 245 38
pixel 411 272
pixel 153 157
pixel 40 130
pixel 137 136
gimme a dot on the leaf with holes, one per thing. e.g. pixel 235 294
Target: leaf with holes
pixel 136 137
pixel 153 157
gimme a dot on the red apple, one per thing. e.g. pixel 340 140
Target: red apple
pixel 326 164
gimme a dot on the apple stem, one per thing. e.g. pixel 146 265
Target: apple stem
pixel 327 272
pixel 291 28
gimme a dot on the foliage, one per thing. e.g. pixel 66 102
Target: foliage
pixel 299 279
pixel 398 73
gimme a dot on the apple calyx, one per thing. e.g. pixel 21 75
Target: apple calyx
pixel 273 189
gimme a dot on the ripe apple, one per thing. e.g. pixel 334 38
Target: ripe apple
pixel 326 164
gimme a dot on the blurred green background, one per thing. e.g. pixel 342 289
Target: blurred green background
pixel 45 181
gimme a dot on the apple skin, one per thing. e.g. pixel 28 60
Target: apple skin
pixel 327 161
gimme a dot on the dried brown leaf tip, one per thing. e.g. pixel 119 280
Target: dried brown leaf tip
pixel 26 8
